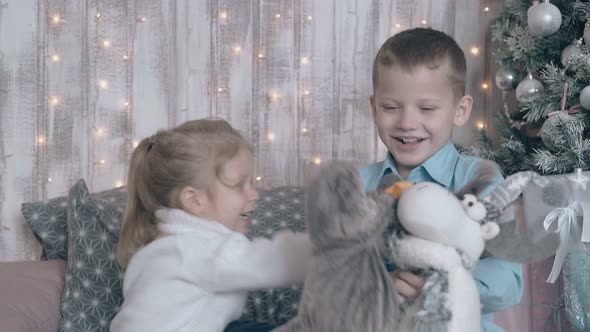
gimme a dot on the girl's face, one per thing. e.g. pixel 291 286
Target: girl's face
pixel 231 199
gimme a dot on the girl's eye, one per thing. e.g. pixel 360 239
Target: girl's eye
pixel 427 108
pixel 391 108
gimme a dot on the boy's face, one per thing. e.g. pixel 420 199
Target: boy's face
pixel 415 111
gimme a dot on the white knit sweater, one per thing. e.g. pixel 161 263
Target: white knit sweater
pixel 195 276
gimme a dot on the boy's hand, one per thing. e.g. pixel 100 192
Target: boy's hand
pixel 407 284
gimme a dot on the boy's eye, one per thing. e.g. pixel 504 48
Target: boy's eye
pixel 387 107
pixel 427 108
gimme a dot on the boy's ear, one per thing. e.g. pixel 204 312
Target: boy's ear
pixel 193 200
pixel 373 109
pixel 463 111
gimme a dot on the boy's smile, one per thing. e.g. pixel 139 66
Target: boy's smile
pixel 415 112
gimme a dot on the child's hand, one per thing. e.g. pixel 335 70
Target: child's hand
pixel 407 284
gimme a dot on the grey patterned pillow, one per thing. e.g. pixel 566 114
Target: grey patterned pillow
pixel 92 293
pixel 48 222
pixel 278 208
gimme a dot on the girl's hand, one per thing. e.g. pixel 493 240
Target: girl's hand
pixel 407 284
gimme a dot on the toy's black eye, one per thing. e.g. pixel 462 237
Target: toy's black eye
pixel 470 203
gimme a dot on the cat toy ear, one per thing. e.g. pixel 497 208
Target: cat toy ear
pixel 522 237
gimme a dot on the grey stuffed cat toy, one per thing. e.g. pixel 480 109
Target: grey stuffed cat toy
pixel 346 227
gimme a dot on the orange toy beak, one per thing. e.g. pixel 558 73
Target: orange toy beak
pixel 398 188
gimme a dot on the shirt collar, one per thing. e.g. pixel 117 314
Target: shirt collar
pixel 440 167
pixel 442 164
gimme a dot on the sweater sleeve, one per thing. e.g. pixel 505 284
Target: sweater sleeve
pixel 241 264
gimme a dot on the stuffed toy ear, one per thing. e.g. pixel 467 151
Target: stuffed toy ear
pixel 489 230
pixel 524 199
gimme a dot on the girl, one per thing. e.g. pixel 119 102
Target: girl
pixel 188 263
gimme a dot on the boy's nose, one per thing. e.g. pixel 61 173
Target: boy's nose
pixel 406 120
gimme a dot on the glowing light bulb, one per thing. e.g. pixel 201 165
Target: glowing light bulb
pixel 97 15
pixel 142 19
pixel 223 15
pixel 103 84
pixel 274 96
pixel 99 131
pixel 55 58
pixel 102 162
pixel 397 25
pixel 424 22
pixel 306 92
pixel 270 136
pixel 54 100
pixel 484 86
pixel 486 9
pixel 106 43
pixel 135 144
pixel 220 89
pixel 48 179
pixel 237 49
pixel 119 184
pixel 480 125
pixel 317 160
pixel 56 19
pixel 41 140
pixel 304 130
pixel 475 50
pixel 258 178
pixel 278 15
pixel 309 18
pixel 304 60
pixel 260 55
pixel 125 57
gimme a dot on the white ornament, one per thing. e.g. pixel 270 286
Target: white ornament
pixel 507 78
pixel 528 88
pixel 571 52
pixel 585 98
pixel 543 19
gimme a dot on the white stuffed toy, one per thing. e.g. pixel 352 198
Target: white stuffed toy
pixel 443 235
pixel 447 235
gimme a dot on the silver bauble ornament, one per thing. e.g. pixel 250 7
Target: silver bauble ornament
pixel 543 19
pixel 552 133
pixel 585 98
pixel 507 78
pixel 587 33
pixel 528 88
pixel 570 52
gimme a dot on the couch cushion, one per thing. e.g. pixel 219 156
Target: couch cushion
pixel 48 222
pixel 278 208
pixel 30 293
pixel 92 293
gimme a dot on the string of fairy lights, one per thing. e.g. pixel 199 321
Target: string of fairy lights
pixel 273 95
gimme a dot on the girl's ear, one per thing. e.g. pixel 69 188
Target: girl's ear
pixel 193 200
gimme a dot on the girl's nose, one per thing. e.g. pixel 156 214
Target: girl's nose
pixel 253 195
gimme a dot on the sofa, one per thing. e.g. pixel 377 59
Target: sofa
pixel 76 284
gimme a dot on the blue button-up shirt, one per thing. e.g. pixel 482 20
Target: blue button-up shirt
pixel 499 282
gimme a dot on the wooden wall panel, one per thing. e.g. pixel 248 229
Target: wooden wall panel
pixel 293 76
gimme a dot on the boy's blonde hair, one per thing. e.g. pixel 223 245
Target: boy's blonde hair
pixel 423 47
pixel 191 154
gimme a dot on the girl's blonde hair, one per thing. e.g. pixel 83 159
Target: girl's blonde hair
pixel 191 154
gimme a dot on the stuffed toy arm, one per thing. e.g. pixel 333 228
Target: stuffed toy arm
pixel 418 253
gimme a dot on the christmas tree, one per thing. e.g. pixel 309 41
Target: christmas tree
pixel 543 58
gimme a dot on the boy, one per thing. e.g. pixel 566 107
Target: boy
pixel 418 98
